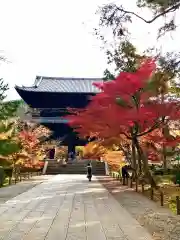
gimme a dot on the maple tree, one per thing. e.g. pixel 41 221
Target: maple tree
pixel 23 148
pixel 118 143
pixel 115 160
pixel 93 150
pixel 32 146
pixel 129 106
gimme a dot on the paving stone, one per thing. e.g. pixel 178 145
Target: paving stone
pixel 94 227
pixel 68 207
pixel 160 222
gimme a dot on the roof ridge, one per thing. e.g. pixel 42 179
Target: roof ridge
pixel 63 85
pixel 68 78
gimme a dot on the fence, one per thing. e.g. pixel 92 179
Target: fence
pixel 140 186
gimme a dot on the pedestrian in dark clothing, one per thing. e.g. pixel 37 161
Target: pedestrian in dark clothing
pixel 125 174
pixel 89 171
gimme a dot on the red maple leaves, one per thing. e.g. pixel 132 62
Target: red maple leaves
pixel 127 105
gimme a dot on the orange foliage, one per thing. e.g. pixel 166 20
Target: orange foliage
pixel 93 150
pixel 114 142
pixel 115 160
pixel 32 149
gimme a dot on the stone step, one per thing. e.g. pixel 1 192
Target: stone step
pixel 67 170
pixel 81 173
pixel 73 167
pixel 73 170
pixel 69 166
pixel 55 167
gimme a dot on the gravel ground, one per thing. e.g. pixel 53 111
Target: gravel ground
pixel 6 193
pixel 161 223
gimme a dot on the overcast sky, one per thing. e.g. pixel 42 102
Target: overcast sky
pixel 54 38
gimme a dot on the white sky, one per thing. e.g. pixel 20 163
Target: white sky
pixel 54 38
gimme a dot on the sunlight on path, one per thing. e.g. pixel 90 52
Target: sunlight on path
pixel 68 207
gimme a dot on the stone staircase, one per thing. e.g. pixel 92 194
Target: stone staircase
pixel 54 167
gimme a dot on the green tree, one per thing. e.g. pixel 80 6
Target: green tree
pixel 8 128
pixel 124 58
pixel 8 142
pixel 7 108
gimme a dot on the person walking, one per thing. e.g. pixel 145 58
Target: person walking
pixel 89 171
pixel 125 174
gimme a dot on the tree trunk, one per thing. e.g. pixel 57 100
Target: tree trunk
pixel 134 163
pixel 146 171
pixel 139 165
pixel 164 157
pixel 166 134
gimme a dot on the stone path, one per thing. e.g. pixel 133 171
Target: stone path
pixel 11 191
pixel 68 207
pixel 160 222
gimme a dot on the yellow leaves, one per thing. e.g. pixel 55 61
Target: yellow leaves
pixel 5 132
pixel 114 141
pixel 4 136
pixel 21 144
pixel 104 148
pixel 175 133
pixel 41 131
pixel 61 152
pixel 115 160
pixel 93 150
pixel 19 162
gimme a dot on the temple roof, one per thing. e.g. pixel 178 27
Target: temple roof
pixel 71 85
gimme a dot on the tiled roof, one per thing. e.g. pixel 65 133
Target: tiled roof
pixel 52 84
pixel 45 119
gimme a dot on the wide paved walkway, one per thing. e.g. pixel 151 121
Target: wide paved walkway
pixel 68 207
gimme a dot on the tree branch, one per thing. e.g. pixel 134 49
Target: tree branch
pixel 170 9
pixel 156 125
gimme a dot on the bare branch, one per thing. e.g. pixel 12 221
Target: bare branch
pixel 168 10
